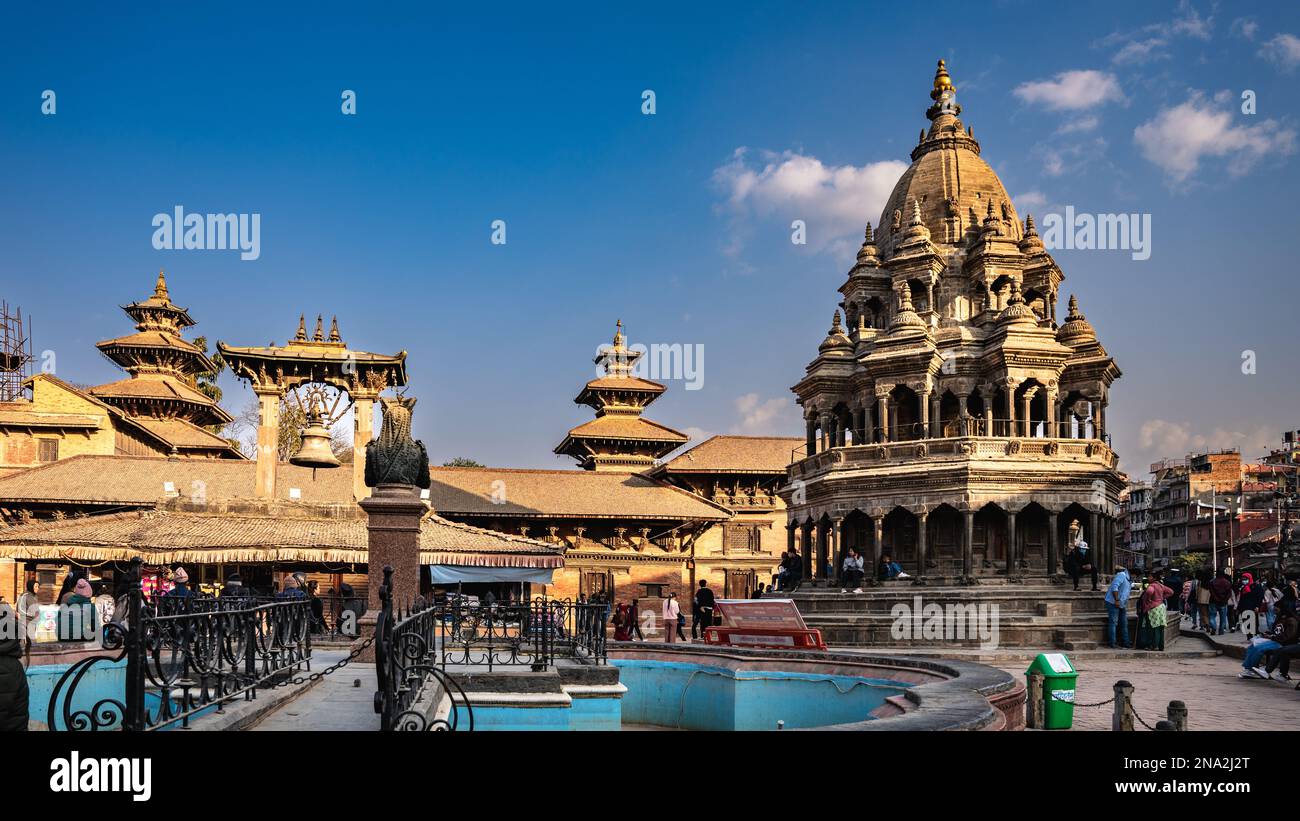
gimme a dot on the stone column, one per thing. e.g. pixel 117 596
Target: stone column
pixel 1053 414
pixel 987 396
pixel 825 421
pixel 868 429
pixel 268 441
pixel 812 436
pixel 923 398
pixel 835 548
pixel 1100 409
pixel 393 529
pixel 1026 402
pixel 936 422
pixel 878 540
pixel 363 414
pixel 882 402
pixel 806 548
pixel 922 519
pixel 789 537
pixel 1094 540
pixel 1011 543
pixel 1010 386
pixel 1053 549
pixel 968 545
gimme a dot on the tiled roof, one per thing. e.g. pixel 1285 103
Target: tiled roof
pixel 735 454
pixel 563 494
pixel 623 383
pixel 182 434
pixel 152 388
pixel 619 426
pixel 260 532
pixel 33 419
pixel 139 480
pixel 150 339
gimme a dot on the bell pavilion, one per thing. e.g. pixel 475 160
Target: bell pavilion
pixel 954 420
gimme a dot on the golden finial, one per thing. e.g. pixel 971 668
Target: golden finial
pixel 942 82
pixel 301 336
pixel 334 330
pixel 618 332
pixel 320 330
pixel 160 287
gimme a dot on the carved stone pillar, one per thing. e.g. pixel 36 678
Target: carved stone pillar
pixel 987 395
pixel 268 441
pixel 811 425
pixel 922 520
pixel 1012 558
pixel 1010 386
pixel 825 422
pixel 936 423
pixel 835 548
pixel 1026 402
pixel 363 430
pixel 1053 548
pixel 882 402
pixel 868 429
pixel 923 399
pixel 968 545
pixel 878 539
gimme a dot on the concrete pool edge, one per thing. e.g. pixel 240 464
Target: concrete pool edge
pixel 945 694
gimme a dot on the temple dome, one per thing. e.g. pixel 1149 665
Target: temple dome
pixel 948 178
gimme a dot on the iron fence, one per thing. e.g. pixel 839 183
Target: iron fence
pixel 184 656
pixel 514 634
pixel 406 664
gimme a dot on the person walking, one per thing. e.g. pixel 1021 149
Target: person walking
pixel 622 622
pixel 1153 614
pixel 671 611
pixel 1116 598
pixel 634 618
pixel 29 609
pixel 1187 602
pixel 704 604
pixel 1220 595
pixel 1203 581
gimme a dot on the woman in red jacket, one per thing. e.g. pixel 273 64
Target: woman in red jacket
pixel 1152 614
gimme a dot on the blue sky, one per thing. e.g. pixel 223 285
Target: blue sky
pixel 533 116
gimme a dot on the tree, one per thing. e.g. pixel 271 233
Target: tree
pixel 1189 563
pixel 292 422
pixel 206 382
pixel 462 462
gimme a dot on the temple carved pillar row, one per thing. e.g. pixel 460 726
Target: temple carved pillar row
pixel 268 440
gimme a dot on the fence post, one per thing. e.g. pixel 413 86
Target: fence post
pixel 1034 718
pixel 1122 721
pixel 1177 714
pixel 134 720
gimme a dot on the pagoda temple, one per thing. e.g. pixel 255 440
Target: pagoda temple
pixel 619 438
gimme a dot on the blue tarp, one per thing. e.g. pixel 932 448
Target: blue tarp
pixel 453 574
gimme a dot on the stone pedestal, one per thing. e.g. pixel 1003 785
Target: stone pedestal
pixel 394 540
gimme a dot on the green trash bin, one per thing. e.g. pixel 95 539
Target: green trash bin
pixel 1059 677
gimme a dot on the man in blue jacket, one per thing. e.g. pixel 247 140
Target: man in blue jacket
pixel 1117 596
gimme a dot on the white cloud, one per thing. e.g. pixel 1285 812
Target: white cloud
pixel 1244 27
pixel 1029 200
pixel 835 201
pixel 766 417
pixel 1283 51
pixel 1177 139
pixel 1072 90
pixel 1079 125
pixel 1150 42
pixel 1161 438
pixel 1138 52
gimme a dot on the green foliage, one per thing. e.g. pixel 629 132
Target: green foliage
pixel 1189 563
pixel 462 462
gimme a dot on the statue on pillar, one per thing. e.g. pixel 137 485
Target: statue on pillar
pixel 395 458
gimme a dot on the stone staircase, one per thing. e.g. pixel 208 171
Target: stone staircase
pixel 1028 613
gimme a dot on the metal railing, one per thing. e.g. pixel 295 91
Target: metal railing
pixel 975 426
pixel 517 634
pixel 406 665
pixel 185 655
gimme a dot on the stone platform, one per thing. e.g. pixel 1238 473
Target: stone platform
pixel 1030 613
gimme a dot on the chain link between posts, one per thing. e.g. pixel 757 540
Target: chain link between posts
pixel 317 676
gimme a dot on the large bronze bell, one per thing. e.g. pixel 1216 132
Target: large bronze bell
pixel 315 451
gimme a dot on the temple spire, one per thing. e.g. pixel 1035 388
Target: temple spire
pixel 301 336
pixel 160 287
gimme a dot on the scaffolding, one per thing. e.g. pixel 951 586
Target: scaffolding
pixel 15 352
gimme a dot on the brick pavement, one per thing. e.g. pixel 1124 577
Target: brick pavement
pixel 1216 699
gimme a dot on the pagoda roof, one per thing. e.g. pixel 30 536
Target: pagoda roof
pixel 183 435
pixel 156 340
pixel 735 454
pixel 160 388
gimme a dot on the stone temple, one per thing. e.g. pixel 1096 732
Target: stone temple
pixel 955 420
